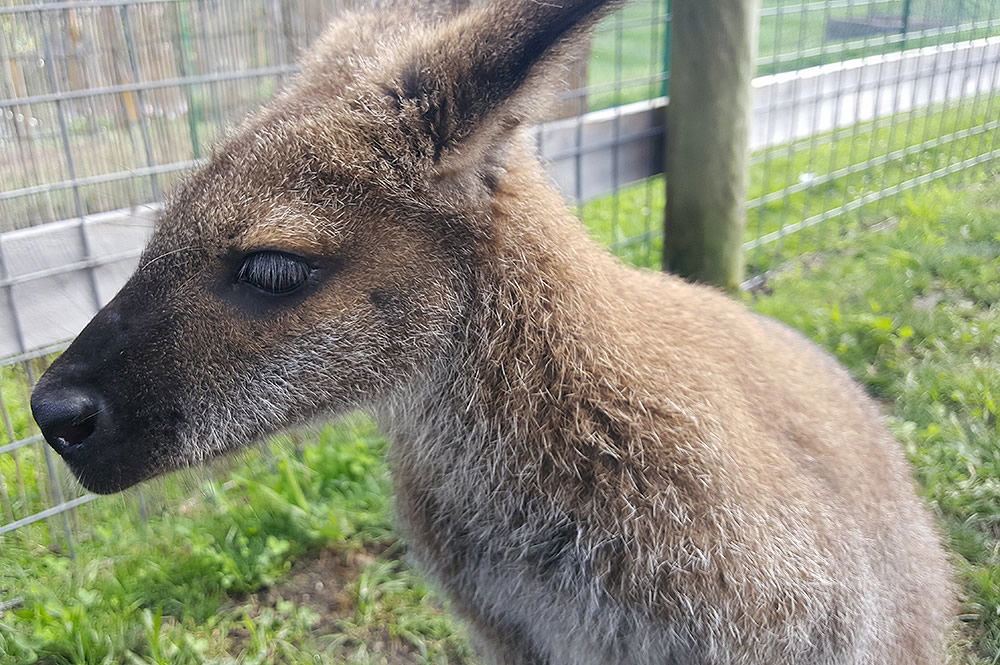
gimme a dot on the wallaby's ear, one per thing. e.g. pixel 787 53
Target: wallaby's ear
pixel 467 81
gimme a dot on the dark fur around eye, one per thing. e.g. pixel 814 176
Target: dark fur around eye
pixel 273 272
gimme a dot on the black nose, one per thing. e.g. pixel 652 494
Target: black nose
pixel 66 417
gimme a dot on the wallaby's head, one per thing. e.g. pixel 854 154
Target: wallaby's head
pixel 324 256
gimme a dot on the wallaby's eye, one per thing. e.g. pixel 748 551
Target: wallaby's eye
pixel 274 272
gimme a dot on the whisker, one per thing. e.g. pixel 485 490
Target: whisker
pixel 173 251
pixel 93 415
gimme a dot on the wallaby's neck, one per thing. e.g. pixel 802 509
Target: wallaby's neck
pixel 535 343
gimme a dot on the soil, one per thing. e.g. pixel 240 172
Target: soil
pixel 321 582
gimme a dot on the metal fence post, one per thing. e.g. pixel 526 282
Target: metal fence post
pixel 185 65
pixel 668 23
pixel 712 62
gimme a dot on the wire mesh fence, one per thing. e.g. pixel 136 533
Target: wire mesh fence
pixel 859 103
pixel 104 104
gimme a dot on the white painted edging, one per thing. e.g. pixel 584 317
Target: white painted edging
pixel 796 105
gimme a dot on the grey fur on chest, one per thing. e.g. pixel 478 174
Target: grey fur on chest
pixel 513 563
pixel 528 574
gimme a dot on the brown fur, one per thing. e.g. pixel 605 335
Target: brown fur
pixel 598 464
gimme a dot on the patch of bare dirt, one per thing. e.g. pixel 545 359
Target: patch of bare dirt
pixel 320 582
pixel 323 583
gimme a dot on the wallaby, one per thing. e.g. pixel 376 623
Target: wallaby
pixel 597 464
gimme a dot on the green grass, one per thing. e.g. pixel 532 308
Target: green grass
pixel 186 587
pixel 785 167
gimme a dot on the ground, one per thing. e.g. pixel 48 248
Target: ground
pixel 289 555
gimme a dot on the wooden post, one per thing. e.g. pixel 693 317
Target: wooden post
pixel 712 63
pixel 574 85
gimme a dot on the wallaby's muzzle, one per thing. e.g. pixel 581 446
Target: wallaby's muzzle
pixel 95 408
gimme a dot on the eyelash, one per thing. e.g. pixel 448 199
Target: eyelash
pixel 273 272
